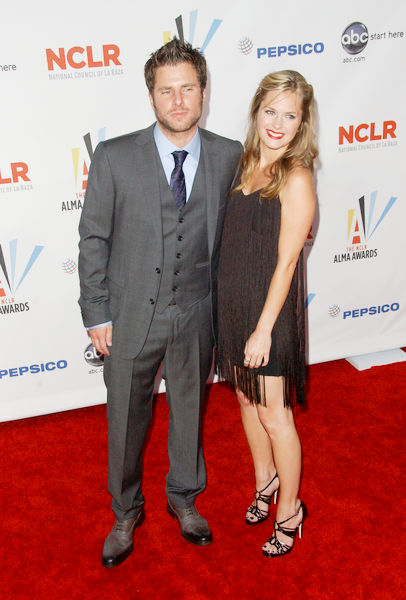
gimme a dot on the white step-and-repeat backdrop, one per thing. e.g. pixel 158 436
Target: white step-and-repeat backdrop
pixel 72 74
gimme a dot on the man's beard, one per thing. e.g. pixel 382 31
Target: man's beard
pixel 174 127
pixel 178 127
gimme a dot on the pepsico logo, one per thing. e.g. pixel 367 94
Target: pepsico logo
pixel 69 266
pixel 334 310
pixel 245 45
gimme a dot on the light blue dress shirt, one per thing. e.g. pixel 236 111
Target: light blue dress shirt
pixel 165 149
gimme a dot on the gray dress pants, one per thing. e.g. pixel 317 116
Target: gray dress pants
pixel 184 342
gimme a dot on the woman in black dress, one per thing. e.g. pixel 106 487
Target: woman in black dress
pixel 261 345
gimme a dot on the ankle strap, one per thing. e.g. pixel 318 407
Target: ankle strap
pixel 289 518
pixel 267 485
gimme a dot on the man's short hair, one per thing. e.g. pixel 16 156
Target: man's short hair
pixel 173 53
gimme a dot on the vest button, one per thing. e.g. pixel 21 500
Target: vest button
pixel 181 219
pixel 151 301
pixel 157 270
pixel 176 272
pixel 180 238
pixel 178 255
pixel 174 289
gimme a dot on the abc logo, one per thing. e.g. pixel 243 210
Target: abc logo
pixel 355 38
pixel 92 357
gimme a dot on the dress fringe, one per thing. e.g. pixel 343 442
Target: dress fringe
pixel 252 385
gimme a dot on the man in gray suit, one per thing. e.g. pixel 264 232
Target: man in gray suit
pixel 150 232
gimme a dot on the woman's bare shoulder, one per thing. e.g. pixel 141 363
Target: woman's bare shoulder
pixel 299 183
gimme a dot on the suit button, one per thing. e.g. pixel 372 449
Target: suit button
pixel 151 301
pixel 178 255
pixel 176 272
pixel 180 238
pixel 157 270
pixel 181 219
pixel 174 289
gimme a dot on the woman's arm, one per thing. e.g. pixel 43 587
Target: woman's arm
pixel 298 203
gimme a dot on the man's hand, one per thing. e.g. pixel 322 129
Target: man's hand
pixel 102 337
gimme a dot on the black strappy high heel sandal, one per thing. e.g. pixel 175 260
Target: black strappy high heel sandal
pixel 281 547
pixel 254 509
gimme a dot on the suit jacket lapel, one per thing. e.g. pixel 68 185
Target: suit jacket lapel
pixel 211 158
pixel 146 178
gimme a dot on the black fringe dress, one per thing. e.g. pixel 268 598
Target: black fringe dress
pixel 248 258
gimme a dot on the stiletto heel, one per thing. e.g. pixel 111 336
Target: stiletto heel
pixel 300 531
pixel 281 547
pixel 259 513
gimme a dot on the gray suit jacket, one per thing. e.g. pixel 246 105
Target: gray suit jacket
pixel 121 246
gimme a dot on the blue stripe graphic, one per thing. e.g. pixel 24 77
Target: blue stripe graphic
pixel 35 253
pixel 385 212
pixel 102 134
pixel 371 212
pixel 308 300
pixel 192 25
pixel 13 261
pixel 214 26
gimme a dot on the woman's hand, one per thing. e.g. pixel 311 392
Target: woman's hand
pixel 257 349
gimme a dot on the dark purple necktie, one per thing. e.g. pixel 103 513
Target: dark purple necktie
pixel 177 184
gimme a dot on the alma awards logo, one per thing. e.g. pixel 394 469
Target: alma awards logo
pixel 192 30
pixel 362 223
pixel 81 159
pixel 10 281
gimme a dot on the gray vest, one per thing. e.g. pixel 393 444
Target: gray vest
pixel 186 267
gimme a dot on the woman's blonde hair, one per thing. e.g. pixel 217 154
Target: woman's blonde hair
pixel 301 151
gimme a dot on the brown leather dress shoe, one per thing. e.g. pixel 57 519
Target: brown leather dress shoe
pixel 193 527
pixel 120 542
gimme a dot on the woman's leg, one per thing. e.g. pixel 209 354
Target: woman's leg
pixel 279 424
pixel 261 450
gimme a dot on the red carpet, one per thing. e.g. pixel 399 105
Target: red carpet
pixel 55 510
